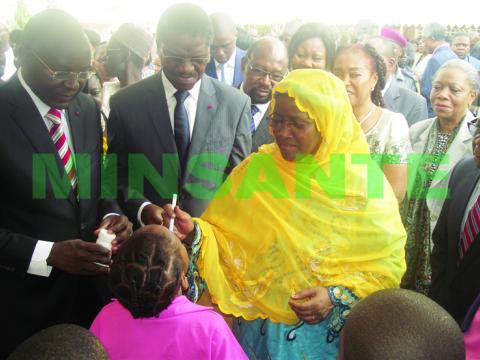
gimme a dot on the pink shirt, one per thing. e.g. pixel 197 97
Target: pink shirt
pixel 184 330
pixel 472 338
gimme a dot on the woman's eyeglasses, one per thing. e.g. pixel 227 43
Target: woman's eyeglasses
pixel 296 126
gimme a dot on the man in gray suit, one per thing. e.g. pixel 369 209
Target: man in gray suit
pixel 266 64
pixel 179 131
pixel 397 98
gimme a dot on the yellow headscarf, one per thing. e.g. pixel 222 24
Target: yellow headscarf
pixel 266 236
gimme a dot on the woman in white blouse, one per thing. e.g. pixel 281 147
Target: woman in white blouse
pixel 363 71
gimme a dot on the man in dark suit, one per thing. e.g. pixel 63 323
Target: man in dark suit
pixel 398 98
pixel 412 105
pixel 266 63
pixel 48 227
pixel 180 123
pixel 225 63
pixel 455 257
pixel 434 36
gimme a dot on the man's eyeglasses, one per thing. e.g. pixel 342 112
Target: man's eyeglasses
pixel 473 126
pixel 65 75
pixel 179 61
pixel 258 72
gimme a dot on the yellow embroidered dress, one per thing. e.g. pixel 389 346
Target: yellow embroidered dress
pixel 276 226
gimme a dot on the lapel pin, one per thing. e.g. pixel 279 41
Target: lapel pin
pixel 77 113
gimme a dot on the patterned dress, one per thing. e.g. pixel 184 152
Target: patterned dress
pixel 264 340
pixel 388 139
pixel 416 215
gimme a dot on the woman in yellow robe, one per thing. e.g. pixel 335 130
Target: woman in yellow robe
pixel 301 229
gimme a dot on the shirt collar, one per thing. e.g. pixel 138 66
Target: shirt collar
pixel 170 90
pixel 263 107
pixel 42 108
pixel 230 63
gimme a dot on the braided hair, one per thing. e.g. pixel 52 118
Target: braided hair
pixel 146 273
pixel 379 67
pixel 381 70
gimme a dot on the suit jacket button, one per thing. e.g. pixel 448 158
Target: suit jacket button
pixel 83 226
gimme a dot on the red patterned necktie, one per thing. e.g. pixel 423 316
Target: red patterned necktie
pixel 61 144
pixel 470 230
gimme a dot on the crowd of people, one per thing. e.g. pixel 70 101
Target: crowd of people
pixel 282 197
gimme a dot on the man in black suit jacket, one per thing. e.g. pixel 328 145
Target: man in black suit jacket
pixel 265 64
pixel 184 149
pixel 225 55
pixel 455 279
pixel 46 237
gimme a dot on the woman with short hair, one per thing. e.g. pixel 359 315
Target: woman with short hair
pixel 445 139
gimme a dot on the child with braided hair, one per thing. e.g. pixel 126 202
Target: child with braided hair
pixel 363 71
pixel 150 318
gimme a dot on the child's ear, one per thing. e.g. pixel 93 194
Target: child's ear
pixel 184 283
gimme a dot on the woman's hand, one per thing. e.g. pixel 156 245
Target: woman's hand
pixel 183 221
pixel 311 305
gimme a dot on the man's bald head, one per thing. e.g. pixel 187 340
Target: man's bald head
pixel 268 46
pixel 400 324
pixel 51 29
pixel 52 42
pixel 266 55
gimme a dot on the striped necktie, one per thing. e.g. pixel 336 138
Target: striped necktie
pixel 253 110
pixel 60 140
pixel 470 230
